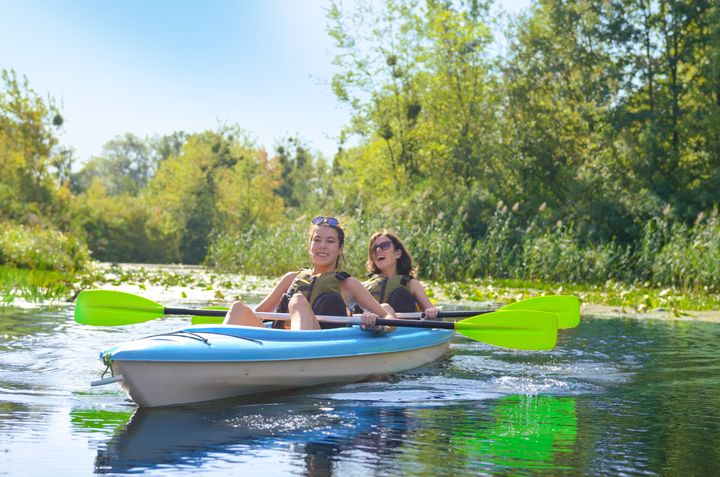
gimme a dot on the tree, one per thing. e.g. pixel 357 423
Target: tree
pixel 304 182
pixel 127 163
pixel 421 82
pixel 31 160
pixel 218 184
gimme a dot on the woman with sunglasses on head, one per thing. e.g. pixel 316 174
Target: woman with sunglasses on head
pixel 322 289
pixel 392 276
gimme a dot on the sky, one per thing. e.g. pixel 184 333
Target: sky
pixel 153 67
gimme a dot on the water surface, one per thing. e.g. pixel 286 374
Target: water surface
pixel 616 397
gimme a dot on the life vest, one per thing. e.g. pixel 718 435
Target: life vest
pixel 394 291
pixel 323 293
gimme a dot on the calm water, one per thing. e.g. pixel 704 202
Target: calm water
pixel 616 397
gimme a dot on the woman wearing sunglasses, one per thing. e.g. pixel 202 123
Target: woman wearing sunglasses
pixel 321 289
pixel 392 278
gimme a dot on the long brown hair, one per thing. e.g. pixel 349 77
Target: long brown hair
pixel 404 265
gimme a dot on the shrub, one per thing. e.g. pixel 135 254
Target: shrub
pixel 40 248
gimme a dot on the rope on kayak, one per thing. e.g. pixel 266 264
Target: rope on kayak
pixel 182 334
pixel 196 336
pixel 235 336
pixel 107 361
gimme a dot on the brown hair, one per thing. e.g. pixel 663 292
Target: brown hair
pixel 341 240
pixel 404 263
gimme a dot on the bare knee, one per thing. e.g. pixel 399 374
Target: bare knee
pixel 301 314
pixel 241 314
pixel 298 302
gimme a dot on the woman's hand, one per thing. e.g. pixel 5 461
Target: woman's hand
pixel 368 320
pixel 430 313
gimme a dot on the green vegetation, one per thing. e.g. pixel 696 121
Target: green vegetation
pixel 38 248
pixel 585 153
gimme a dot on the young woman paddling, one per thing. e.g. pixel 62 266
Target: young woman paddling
pixel 322 289
pixel 392 278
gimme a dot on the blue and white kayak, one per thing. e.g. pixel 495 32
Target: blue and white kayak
pixel 208 362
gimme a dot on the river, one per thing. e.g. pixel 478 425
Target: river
pixel 615 397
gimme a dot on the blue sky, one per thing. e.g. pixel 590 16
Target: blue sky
pixel 158 66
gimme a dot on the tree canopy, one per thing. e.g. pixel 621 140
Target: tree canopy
pixel 594 134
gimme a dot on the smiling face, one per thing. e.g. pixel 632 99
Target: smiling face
pixel 325 248
pixel 385 255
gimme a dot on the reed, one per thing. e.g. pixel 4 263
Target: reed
pixel 32 285
pixel 667 255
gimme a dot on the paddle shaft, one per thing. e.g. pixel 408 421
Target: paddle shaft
pixel 193 312
pixel 355 319
pixel 281 316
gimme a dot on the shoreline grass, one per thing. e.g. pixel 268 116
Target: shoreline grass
pixel 207 285
pixel 636 298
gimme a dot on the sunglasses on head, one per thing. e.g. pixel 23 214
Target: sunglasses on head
pixel 331 221
pixel 382 245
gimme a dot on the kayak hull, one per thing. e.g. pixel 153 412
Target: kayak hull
pixel 204 363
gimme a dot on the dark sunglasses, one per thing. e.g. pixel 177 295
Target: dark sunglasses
pixel 382 245
pixel 331 221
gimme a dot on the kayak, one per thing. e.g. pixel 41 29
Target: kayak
pixel 208 362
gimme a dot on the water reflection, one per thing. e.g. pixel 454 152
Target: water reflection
pixel 513 432
pixel 525 432
pixel 220 433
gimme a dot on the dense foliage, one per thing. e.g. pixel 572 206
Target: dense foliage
pixel 585 149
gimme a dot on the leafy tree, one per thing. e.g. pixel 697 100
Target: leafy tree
pixel 31 160
pixel 218 184
pixel 127 163
pixel 667 114
pixel 117 227
pixel 304 182
pixel 558 80
pixel 420 79
pixel 245 197
pixel 378 64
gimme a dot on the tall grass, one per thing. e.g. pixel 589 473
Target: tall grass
pixel 667 254
pixel 32 285
pixel 690 258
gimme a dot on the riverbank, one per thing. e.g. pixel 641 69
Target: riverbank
pixel 607 311
pixel 201 285
pixel 195 285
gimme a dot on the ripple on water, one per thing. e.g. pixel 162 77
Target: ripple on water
pixel 423 390
pixel 532 375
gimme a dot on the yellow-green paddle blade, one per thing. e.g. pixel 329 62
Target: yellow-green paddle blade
pixel 566 307
pixel 520 329
pixel 114 308
pixel 209 320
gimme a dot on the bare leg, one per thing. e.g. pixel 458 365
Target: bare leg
pixel 301 315
pixel 241 314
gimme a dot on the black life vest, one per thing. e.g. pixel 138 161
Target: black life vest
pixel 393 290
pixel 322 291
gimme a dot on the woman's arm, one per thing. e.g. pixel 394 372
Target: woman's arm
pixel 421 297
pixel 367 302
pixel 363 297
pixel 271 302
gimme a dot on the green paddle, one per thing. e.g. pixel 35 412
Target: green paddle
pixel 566 307
pixel 522 329
pixel 114 308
